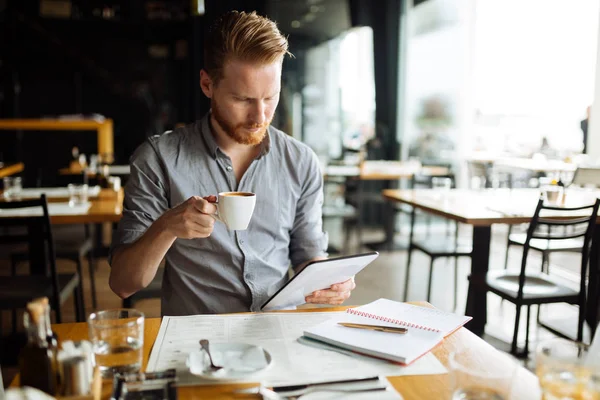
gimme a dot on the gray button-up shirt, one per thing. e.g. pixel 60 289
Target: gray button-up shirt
pixel 230 271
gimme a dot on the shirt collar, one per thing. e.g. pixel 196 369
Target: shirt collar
pixel 211 143
pixel 209 139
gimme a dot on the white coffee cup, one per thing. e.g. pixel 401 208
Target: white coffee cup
pixel 235 209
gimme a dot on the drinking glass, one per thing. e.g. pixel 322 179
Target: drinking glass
pixel 563 372
pixel 78 194
pixel 474 379
pixel 12 187
pixel 117 338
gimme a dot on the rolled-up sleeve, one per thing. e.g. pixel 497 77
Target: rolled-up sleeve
pixel 307 239
pixel 146 197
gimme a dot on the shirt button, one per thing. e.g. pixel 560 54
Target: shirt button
pixel 241 242
pixel 229 168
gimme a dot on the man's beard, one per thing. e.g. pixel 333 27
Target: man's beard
pixel 238 132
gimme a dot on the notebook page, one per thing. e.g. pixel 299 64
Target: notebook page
pixel 414 315
pixel 403 348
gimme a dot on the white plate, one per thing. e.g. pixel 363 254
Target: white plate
pixel 239 360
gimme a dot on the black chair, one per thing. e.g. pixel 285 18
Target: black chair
pixel 436 247
pixel 43 280
pixel 546 247
pixel 526 288
pixel 151 291
pixel 424 181
pixel 71 245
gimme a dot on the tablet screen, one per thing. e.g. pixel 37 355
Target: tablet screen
pixel 317 275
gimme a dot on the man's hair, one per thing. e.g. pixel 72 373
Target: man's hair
pixel 245 37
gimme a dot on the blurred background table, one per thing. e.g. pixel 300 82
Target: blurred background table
pixel 103 128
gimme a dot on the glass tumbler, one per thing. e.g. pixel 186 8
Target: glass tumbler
pixel 117 338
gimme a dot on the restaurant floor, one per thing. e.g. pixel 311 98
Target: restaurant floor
pixel 385 278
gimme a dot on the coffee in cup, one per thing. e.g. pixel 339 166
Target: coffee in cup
pixel 235 209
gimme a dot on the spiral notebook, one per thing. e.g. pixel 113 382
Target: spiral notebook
pixel 427 327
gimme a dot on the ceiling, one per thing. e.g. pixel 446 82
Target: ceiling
pixel 311 20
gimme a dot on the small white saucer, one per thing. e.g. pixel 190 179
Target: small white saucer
pixel 239 360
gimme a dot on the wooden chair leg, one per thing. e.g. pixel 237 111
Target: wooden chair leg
pixel 91 265
pixel 407 277
pixel 430 280
pixel 513 346
pixel 80 273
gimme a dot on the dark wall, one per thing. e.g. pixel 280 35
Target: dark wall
pixel 91 65
pixel 86 64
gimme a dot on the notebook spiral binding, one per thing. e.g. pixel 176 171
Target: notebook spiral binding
pixel 391 320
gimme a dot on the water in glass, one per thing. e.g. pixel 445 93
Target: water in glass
pixel 117 337
pixel 114 358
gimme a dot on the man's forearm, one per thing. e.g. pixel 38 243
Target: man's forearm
pixel 134 265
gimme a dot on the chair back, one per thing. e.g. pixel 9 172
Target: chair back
pixel 28 222
pixel 586 176
pixel 563 223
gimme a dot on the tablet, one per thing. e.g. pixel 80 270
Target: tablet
pixel 317 275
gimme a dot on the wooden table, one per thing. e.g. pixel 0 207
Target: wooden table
pixel 482 209
pixel 396 170
pixel 104 129
pixel 11 169
pixel 411 387
pixel 106 207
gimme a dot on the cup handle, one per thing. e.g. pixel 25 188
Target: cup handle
pixel 216 215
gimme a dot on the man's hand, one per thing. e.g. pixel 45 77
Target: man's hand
pixel 335 295
pixel 191 219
